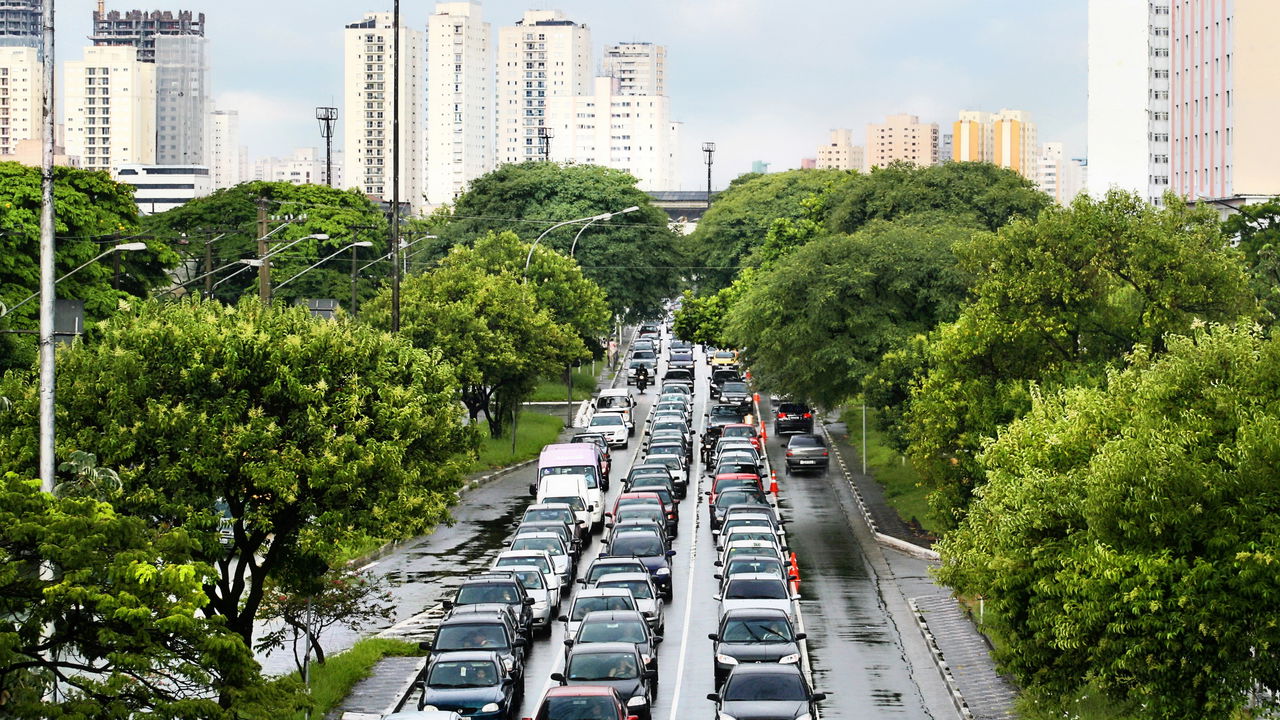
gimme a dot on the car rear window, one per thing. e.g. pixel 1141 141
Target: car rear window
pixel 793 408
pixel 806 441
pixel 734 387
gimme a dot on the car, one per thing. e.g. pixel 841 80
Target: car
pixel 644 344
pixel 792 417
pixel 578 505
pixel 554 546
pixel 742 457
pixel 645 353
pixel 557 527
pixel 807 452
pixel 616 400
pixel 754 635
pixel 640 584
pixel 546 603
pixel 722 357
pixel 495 587
pixel 618 626
pixel 756 590
pixel 731 481
pixel 633 365
pixel 752 520
pixel 589 600
pixel 678 467
pixel 561 512
pixel 665 492
pixel 652 549
pixel 742 431
pixel 606 565
pixel 765 548
pixel 680 375
pixel 724 414
pixel 724 537
pixel 617 665
pixel 736 393
pixel 754 509
pixel 679 407
pixel 725 500
pixel 612 426
pixel 754 564
pixel 648 469
pixel 670 445
pixel 647 513
pixel 677 388
pixel 720 376
pixel 491 628
pixel 681 345
pixel 755 691
pixel 423 715
pixel 575 702
pixel 471 682
pixel 640 522
pixel 680 358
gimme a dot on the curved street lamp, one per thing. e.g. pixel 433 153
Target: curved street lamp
pixel 327 258
pixel 122 247
pixel 607 216
pixel 590 219
pixel 257 262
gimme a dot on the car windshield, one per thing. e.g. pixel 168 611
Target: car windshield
pixel 639 512
pixel 738 496
pixel 608 402
pixel 672 461
pixel 725 411
pixel 762 688
pixel 756 630
pixel 677 425
pixel 639 588
pixel 470 637
pixel 735 467
pixel 745 551
pixel 747 431
pixel 531 579
pixel 584 605
pixel 599 570
pixel 549 544
pixel 681 356
pixel 752 589
pixel 476 594
pixel 534 560
pixel 644 355
pixel 640 545
pixel 723 484
pixel 755 567
pixel 460 674
pixel 574 502
pixel 734 387
pixel 662 493
pixel 603 666
pixel 750 534
pixel 793 408
pixel 607 419
pixel 594 707
pixel 548 516
pixel 612 631
pixel 626 501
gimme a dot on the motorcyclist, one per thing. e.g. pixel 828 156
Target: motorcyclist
pixel 642 378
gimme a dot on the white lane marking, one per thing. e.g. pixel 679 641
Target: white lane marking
pixel 688 585
pixel 366 567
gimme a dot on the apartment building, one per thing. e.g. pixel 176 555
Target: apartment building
pixel 110 108
pixel 306 166
pixel 460 96
pixel 902 138
pixel 227 157
pixel 973 137
pixel 542 56
pixel 639 67
pixel 20 97
pixel 1015 143
pixel 840 153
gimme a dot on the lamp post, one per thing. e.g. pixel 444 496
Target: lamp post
pixel 606 216
pixel 709 149
pixel 325 259
pixel 123 247
pixel 589 219
pixel 264 260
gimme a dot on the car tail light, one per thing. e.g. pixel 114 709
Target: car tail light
pixel 824 453
pixel 782 416
pixel 808 415
pixel 789 453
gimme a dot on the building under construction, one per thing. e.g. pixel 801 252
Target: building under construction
pixel 139 28
pixel 20 24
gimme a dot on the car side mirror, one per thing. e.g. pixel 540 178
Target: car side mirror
pixel 425 646
pixel 580 581
pixel 801 636
pixel 650 674
pixel 568 642
pixel 717 597
pixel 528 602
pixel 718 576
pixel 591 508
pixel 795 596
pixel 558 677
pixel 718 564
pixel 563 618
pixel 713 697
pixel 671 553
pixel 446 604
pixel 819 697
pixel 713 636
pixel 657 639
pixel 508 681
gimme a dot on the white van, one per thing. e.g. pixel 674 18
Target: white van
pixel 570 486
pixel 620 402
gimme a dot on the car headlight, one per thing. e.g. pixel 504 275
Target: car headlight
pixel 790 659
pixel 428 707
pixel 726 660
pixel 491 707
pixel 508 664
pixel 637 701
pixel 663 571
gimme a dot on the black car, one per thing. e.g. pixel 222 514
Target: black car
pixel 471 682
pixel 651 549
pixel 720 376
pixel 665 491
pixel 756 691
pixel 648 469
pixel 754 635
pixel 792 417
pixel 730 498
pixel 721 415
pixel 496 586
pixel 679 375
pixel 616 665
pixel 736 393
pixel 807 452
pixel 678 467
pixel 484 629
pixel 618 626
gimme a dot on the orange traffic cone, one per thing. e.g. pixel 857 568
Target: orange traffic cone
pixel 773 485
pixel 795 573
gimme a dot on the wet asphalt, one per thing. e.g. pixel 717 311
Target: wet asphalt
pixel 857 651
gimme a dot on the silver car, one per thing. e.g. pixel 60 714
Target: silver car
pixel 535 584
pixel 594 600
pixel 646 596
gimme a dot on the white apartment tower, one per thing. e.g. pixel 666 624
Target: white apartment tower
pixel 226 163
pixel 20 97
pixel 902 138
pixel 639 67
pixel 460 95
pixel 367 109
pixel 306 166
pixel 1129 97
pixel 544 55
pixel 111 108
pixel 840 153
pixel 183 99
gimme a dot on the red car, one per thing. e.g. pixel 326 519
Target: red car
pixel 726 481
pixel 570 702
pixel 742 430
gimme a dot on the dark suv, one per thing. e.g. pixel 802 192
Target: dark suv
pixel 481 628
pixel 496 586
pixel 792 417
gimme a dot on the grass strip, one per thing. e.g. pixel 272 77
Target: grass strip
pixel 903 489
pixel 554 390
pixel 333 681
pixel 534 430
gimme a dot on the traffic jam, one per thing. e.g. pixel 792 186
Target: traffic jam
pixel 572 619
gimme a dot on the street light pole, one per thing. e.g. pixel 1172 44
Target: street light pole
pixel 395 170
pixel 574 246
pixel 47 259
pixel 114 248
pixel 709 148
pixel 325 259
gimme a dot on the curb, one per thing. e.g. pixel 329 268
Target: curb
pixel 882 539
pixel 940 662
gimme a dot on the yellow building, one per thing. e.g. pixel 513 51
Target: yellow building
pixel 972 138
pixel 1016 145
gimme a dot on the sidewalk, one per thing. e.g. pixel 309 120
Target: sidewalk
pixel 960 652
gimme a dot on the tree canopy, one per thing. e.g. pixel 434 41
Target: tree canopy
pixel 1127 535
pixel 1057 300
pixel 300 431
pixel 634 257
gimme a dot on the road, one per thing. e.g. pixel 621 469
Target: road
pixel 856 652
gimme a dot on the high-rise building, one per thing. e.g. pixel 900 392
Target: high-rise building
pixel 1015 144
pixel 1060 177
pixel 306 166
pixel 1225 99
pixel 21 25
pixel 20 97
pixel 183 99
pixel 226 156
pixel 368 108
pixel 111 108
pixel 902 138
pixel 543 56
pixel 1129 91
pixel 633 133
pixel 972 137
pixel 840 153
pixel 459 79
pixel 139 29
pixel 945 148
pixel 639 67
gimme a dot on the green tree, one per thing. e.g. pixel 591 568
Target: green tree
pixel 489 324
pixel 92 213
pixel 1127 535
pixel 120 628
pixel 981 193
pixel 1257 228
pixel 634 258
pixel 1057 301
pixel 303 608
pixel 740 218
pixel 844 301
pixel 226 221
pixel 304 430
pixel 701 319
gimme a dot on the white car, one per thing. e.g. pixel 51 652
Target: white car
pixel 612 426
pixel 619 401
pixel 551 544
pixel 546 603
pixel 754 591
pixel 540 559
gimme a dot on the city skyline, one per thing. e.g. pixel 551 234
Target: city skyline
pixel 275 63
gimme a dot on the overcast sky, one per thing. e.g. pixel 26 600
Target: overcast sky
pixel 764 80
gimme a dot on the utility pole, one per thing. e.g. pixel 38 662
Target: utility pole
pixel 47 261
pixel 710 149
pixel 327 117
pixel 546 134
pixel 208 268
pixel 395 171
pixel 355 252
pixel 264 268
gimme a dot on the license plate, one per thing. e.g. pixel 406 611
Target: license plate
pixel 808 462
